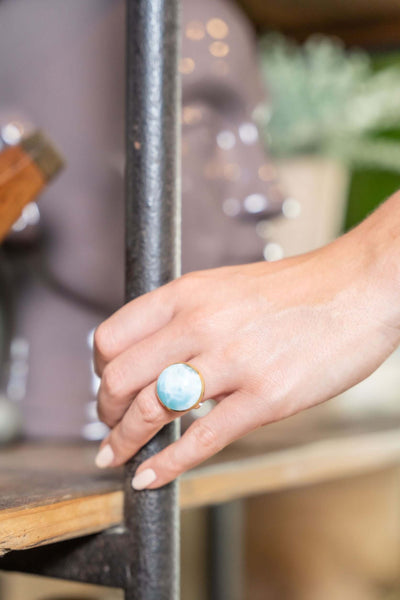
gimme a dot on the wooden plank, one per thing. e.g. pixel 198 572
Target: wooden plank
pixel 290 14
pixel 379 34
pixel 51 493
pixel 308 465
pixel 358 22
pixel 23 528
pixel 40 474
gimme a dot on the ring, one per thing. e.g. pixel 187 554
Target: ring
pixel 180 387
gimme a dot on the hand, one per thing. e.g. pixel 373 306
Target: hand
pixel 270 339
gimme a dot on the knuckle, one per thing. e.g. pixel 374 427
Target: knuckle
pixel 199 324
pixel 101 413
pixel 104 415
pixel 205 436
pixel 229 354
pixel 112 381
pixel 186 279
pixel 126 431
pixel 233 358
pixel 103 341
pixel 172 463
pixel 186 286
pixel 171 457
pixel 149 408
pixel 170 460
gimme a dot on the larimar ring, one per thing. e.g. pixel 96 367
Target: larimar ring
pixel 180 387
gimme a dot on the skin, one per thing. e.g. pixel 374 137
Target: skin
pixel 271 339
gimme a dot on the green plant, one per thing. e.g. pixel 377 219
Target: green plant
pixel 326 100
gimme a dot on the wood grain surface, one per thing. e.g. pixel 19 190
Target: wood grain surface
pixel 20 182
pixel 357 22
pixel 50 492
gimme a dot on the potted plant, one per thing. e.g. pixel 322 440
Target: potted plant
pixel 326 109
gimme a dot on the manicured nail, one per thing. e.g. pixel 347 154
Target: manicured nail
pixel 143 479
pixel 104 457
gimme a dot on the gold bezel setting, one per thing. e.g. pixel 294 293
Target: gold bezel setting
pixel 198 402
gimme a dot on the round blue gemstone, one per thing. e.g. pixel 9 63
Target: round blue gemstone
pixel 179 387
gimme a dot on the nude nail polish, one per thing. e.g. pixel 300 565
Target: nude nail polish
pixel 144 479
pixel 104 457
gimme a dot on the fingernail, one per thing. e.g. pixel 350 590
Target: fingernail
pixel 143 479
pixel 104 457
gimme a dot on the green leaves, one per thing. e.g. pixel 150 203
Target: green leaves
pixel 325 99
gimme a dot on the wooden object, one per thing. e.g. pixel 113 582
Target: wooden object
pixel 52 492
pixel 357 22
pixel 24 171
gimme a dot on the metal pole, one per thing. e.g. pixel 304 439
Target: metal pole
pixel 152 258
pixel 225 552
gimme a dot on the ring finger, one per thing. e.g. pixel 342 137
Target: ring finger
pixel 146 415
pixel 138 366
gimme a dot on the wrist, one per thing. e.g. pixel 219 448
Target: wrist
pixel 377 242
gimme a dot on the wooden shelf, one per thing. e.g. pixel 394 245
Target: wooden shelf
pixel 52 492
pixel 357 22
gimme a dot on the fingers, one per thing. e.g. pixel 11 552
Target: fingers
pixel 229 420
pixel 144 418
pixel 138 366
pixel 133 322
pixel 146 415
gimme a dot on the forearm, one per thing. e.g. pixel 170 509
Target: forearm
pixel 381 233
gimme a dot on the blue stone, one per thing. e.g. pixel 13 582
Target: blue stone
pixel 179 387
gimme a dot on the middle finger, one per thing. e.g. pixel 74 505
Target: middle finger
pixel 136 367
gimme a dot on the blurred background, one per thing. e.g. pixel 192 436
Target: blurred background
pixel 290 136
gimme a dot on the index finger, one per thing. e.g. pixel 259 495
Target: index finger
pixel 228 421
pixel 134 321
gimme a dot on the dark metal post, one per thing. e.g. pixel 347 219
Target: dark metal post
pixel 152 259
pixel 142 556
pixel 225 552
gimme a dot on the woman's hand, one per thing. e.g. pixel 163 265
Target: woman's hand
pixel 270 339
